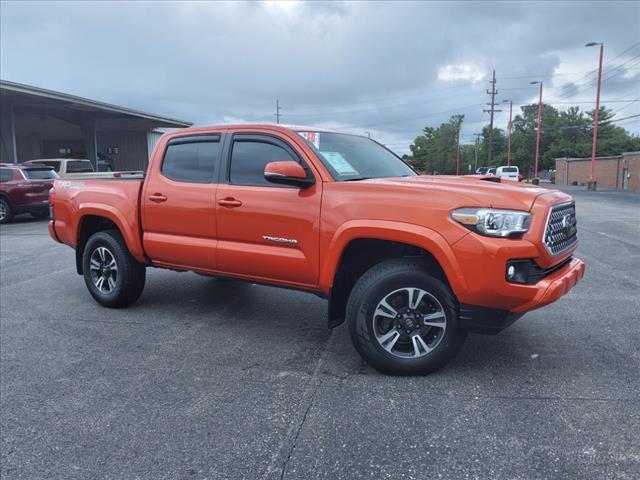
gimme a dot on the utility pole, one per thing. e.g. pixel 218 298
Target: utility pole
pixel 458 153
pixel 491 111
pixel 592 175
pixel 478 135
pixel 277 111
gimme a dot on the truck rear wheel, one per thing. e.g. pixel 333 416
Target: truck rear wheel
pixel 402 320
pixel 114 278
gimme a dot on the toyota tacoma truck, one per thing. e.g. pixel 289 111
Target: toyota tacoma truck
pixel 411 262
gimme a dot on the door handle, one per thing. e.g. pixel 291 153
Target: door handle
pixel 229 202
pixel 157 197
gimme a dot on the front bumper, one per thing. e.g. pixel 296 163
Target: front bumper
pixel 554 286
pixel 489 320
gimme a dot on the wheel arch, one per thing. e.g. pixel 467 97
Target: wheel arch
pixel 92 220
pixel 358 246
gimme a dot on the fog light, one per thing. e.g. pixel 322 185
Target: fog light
pixel 518 271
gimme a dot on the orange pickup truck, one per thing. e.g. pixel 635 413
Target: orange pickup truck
pixel 411 262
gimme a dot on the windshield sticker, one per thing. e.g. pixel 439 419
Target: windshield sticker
pixel 311 137
pixel 339 164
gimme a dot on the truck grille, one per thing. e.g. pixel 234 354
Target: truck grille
pixel 561 231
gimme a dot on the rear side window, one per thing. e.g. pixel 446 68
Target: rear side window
pixel 44 174
pixel 249 158
pixel 75 166
pixel 193 160
pixel 6 174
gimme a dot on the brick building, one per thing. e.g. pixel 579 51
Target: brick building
pixel 620 171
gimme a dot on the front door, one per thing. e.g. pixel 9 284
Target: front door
pixel 266 230
pixel 178 204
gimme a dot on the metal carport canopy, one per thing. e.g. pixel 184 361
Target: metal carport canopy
pixel 24 95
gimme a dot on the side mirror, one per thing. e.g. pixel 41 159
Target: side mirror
pixel 288 173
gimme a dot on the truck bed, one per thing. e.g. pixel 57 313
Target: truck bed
pixel 77 200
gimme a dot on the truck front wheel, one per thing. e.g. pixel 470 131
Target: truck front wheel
pixel 114 278
pixel 402 320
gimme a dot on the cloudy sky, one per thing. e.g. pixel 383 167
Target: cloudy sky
pixel 387 68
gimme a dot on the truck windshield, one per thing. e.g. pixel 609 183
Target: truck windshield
pixel 351 157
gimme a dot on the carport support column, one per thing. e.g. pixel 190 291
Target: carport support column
pixel 8 153
pixel 88 127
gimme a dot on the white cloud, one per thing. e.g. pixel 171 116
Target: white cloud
pixel 463 71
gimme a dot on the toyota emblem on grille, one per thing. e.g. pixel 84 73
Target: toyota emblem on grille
pixel 568 225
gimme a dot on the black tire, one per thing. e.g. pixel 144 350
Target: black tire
pixel 378 283
pixel 40 215
pixel 130 278
pixel 5 207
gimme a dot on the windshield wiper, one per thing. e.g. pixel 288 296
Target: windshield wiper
pixel 356 179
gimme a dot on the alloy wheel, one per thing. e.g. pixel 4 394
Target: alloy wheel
pixel 409 322
pixel 104 270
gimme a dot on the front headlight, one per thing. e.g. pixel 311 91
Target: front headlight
pixel 492 222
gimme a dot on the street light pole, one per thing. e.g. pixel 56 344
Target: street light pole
pixel 509 129
pixel 594 146
pixel 536 180
pixel 458 153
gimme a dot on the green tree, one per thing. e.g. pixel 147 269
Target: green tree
pixel 567 133
pixel 612 139
pixel 523 139
pixel 434 151
pixel 573 135
pixel 499 151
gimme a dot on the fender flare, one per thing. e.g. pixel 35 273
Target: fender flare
pixel 128 227
pixel 416 235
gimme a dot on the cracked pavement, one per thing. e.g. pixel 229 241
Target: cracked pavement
pixel 218 379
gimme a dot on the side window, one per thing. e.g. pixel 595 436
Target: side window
pixel 192 160
pixel 248 159
pixel 6 174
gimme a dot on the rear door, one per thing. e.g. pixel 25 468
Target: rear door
pixel 178 204
pixel 38 183
pixel 266 230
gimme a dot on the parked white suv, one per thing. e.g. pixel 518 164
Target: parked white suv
pixel 508 173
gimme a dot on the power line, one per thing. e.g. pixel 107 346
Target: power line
pixel 615 112
pixel 617 70
pixel 382 101
pixel 610 61
pixel 458 109
pixel 347 112
pixel 581 102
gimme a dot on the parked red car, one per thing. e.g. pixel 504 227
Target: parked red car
pixel 25 189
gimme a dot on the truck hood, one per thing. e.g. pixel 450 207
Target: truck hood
pixel 472 191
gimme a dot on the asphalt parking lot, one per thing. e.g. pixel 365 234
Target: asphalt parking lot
pixel 210 379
